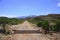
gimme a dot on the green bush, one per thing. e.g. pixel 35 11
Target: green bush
pixel 58 25
pixel 45 24
pixel 39 24
pixel 53 28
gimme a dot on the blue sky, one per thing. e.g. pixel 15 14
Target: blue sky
pixel 16 8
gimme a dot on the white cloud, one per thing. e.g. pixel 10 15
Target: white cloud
pixel 10 16
pixel 58 4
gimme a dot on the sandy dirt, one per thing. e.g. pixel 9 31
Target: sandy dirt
pixel 29 37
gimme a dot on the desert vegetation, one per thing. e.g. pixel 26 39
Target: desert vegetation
pixel 40 21
pixel 48 23
pixel 5 21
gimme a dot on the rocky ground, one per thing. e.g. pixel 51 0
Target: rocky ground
pixel 32 36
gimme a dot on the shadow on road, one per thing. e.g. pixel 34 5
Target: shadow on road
pixel 25 31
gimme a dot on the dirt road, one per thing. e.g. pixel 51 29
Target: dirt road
pixel 28 36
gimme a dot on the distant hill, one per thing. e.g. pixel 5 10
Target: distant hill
pixel 57 16
pixel 35 19
pixel 23 17
pixel 31 18
pixel 49 16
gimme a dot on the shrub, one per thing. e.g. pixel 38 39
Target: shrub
pixel 58 26
pixel 53 28
pixel 39 24
pixel 45 26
